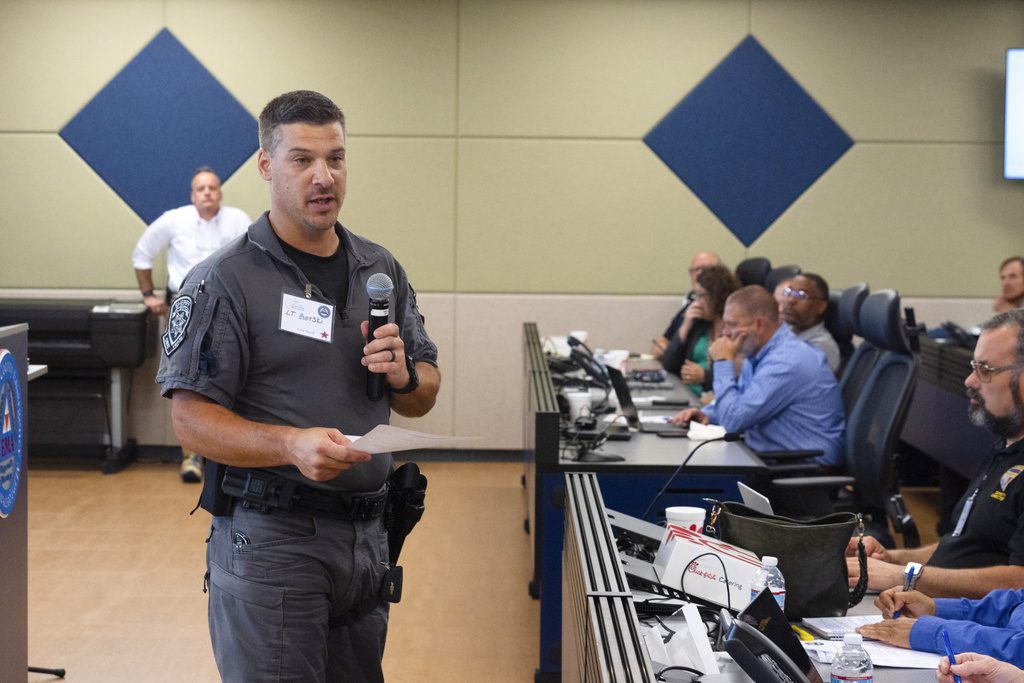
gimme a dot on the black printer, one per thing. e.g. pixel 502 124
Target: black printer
pixel 90 348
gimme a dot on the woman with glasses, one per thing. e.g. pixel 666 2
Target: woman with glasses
pixel 687 352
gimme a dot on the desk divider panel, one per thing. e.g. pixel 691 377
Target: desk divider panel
pixel 600 633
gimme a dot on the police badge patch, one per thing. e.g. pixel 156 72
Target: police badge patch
pixel 177 324
pixel 1009 475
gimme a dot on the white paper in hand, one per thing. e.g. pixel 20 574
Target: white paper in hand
pixel 385 438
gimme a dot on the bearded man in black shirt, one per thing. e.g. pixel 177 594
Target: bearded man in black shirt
pixel 985 550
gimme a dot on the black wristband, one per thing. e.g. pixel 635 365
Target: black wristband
pixel 148 292
pixel 414 378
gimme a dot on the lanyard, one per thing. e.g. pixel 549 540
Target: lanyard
pixel 965 512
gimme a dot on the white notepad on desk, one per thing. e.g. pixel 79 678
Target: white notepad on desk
pixel 834 628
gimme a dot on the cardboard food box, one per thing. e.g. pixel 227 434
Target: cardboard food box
pixel 698 565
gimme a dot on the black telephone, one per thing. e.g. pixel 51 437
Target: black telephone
pixel 765 647
pixel 590 366
pixel 760 658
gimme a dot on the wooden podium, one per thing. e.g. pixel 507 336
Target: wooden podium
pixel 13 502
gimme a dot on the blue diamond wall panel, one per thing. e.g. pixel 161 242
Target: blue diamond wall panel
pixel 159 119
pixel 748 140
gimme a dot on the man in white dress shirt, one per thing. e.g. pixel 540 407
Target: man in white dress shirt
pixel 189 234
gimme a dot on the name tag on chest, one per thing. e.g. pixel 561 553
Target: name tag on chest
pixel 307 318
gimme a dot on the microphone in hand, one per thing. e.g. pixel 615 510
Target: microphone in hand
pixel 378 287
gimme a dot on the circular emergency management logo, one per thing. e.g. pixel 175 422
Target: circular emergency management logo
pixel 324 312
pixel 12 432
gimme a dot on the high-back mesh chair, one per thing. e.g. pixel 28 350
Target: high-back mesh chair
pixel 753 271
pixel 841 332
pixel 857 368
pixel 873 427
pixel 778 274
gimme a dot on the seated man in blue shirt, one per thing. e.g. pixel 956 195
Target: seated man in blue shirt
pixel 991 626
pixel 785 398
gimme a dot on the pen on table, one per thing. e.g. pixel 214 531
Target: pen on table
pixel 949 652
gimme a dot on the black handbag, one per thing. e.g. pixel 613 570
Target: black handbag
pixel 812 554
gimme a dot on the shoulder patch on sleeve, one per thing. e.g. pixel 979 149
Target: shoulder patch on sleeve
pixel 177 324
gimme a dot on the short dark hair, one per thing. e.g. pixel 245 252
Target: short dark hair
pixel 298 106
pixel 1012 259
pixel 819 283
pixel 755 300
pixel 719 282
pixel 203 169
pixel 1012 318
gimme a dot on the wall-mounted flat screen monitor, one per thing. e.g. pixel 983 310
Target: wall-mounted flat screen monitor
pixel 1013 165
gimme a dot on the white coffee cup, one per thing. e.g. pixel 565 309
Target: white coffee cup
pixel 684 517
pixel 579 404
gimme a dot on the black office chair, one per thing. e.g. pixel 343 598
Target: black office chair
pixel 859 365
pixel 840 331
pixel 855 374
pixel 753 271
pixel 779 274
pixel 872 431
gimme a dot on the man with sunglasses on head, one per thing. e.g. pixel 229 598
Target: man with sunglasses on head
pixel 804 302
pixel 985 550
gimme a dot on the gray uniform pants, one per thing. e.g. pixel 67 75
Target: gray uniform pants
pixel 277 578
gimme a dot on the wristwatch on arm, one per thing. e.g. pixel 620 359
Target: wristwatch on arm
pixel 911 574
pixel 414 377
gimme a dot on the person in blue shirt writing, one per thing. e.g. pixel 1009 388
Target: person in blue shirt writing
pixel 785 397
pixel 993 625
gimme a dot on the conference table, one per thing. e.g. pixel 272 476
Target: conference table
pixel 628 485
pixel 604 638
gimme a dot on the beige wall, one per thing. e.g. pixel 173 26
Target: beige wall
pixel 496 147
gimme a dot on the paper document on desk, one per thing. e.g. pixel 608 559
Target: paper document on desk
pixel 699 432
pixel 881 654
pixel 385 438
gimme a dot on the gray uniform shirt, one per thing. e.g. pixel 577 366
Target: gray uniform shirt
pixel 224 341
pixel 818 336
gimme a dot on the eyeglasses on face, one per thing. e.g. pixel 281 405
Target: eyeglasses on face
pixel 799 294
pixel 986 372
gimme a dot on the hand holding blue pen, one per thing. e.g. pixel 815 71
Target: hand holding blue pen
pixel 910 576
pixel 949 652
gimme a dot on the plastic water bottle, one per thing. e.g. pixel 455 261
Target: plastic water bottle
pixel 852 663
pixel 769 576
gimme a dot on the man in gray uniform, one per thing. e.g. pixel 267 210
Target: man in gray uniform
pixel 267 369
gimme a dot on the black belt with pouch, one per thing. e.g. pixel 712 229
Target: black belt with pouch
pixel 265 491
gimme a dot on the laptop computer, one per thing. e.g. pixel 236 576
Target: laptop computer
pixel 633 418
pixel 754 500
